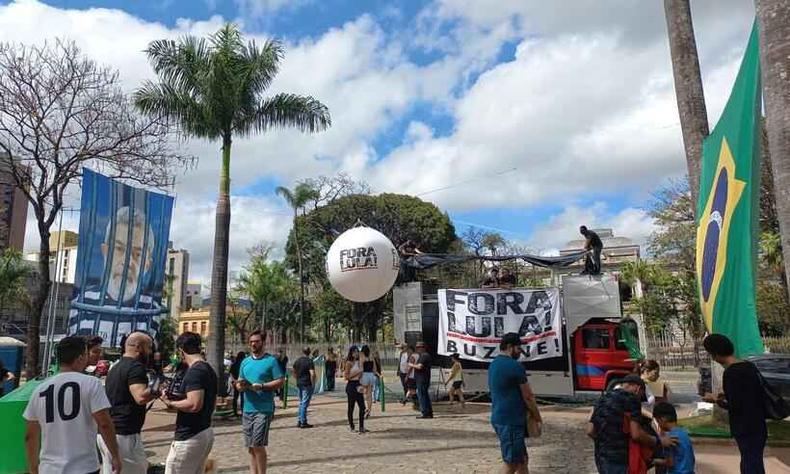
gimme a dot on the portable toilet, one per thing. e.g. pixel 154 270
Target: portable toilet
pixel 11 351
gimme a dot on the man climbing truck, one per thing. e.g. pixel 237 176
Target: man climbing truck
pixel 574 338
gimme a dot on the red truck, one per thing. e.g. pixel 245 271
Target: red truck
pixel 593 350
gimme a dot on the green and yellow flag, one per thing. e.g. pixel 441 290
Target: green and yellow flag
pixel 727 212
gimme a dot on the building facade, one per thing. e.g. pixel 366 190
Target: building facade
pixel 193 299
pixel 13 210
pixel 63 256
pixel 177 272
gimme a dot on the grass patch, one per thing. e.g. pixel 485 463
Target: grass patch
pixel 705 426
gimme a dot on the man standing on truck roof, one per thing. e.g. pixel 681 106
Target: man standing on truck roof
pixel 593 245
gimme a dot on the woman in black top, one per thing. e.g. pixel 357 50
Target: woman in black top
pixel 238 397
pixel 368 379
pixel 331 369
pixel 352 371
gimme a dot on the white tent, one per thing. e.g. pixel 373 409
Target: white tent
pixel 6 341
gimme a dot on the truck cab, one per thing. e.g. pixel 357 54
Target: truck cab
pixel 599 354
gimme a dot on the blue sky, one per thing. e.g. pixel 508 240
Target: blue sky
pixel 530 117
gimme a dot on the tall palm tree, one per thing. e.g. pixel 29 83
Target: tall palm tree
pixel 774 21
pixel 688 87
pixel 297 199
pixel 214 88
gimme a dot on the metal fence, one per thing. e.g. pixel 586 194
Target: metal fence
pixel 672 353
pixel 387 351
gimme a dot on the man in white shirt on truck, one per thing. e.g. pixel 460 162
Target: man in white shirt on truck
pixel 65 412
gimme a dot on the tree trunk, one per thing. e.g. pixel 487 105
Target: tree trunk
pixel 301 279
pixel 688 87
pixel 774 22
pixel 215 350
pixel 32 364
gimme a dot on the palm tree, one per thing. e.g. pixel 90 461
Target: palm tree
pixel 772 16
pixel 214 89
pixel 297 199
pixel 688 87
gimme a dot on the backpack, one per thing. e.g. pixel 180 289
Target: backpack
pixel 776 408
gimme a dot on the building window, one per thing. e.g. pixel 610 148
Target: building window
pixel 186 327
pixel 203 328
pixel 194 327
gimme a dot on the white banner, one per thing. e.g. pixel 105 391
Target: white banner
pixel 472 322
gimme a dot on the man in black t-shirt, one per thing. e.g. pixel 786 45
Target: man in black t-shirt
pixel 743 398
pixel 593 245
pixel 507 280
pixel 304 374
pixel 128 392
pixel 492 280
pixel 194 436
pixel 422 377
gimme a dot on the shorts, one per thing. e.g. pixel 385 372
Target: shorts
pixel 256 429
pixel 368 378
pixel 511 442
pixel 189 456
pixel 411 384
pixel 458 384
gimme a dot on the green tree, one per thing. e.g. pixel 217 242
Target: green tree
pixel 297 199
pixel 398 217
pixel 14 273
pixel 214 89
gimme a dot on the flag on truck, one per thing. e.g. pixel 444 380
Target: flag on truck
pixel 727 212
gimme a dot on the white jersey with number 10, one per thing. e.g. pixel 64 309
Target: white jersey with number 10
pixel 63 405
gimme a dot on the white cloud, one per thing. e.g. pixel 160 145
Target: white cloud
pixel 586 106
pixel 256 9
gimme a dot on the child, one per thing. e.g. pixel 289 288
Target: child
pixel 680 458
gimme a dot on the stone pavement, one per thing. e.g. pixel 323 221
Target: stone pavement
pixel 453 441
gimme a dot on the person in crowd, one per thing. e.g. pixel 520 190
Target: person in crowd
pixel 650 372
pixel 330 368
pixel 260 376
pixel 492 280
pixel 507 280
pixel 368 379
pixel 282 359
pixel 457 379
pixel 158 364
pixel 743 398
pixel 422 378
pixel 379 376
pixel 403 368
pixel 407 250
pixel 194 436
pixel 304 374
pixel 127 388
pixel 5 376
pixel 316 353
pixel 95 351
pixel 680 458
pixel 63 415
pixel 512 401
pixel 352 372
pixel 616 409
pixel 235 369
pixel 593 245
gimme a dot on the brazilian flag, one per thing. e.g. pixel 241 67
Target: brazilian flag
pixel 727 212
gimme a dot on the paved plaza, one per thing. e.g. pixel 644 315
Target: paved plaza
pixel 454 441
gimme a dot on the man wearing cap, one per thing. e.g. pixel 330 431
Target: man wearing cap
pixel 511 400
pixel 422 377
pixel 606 426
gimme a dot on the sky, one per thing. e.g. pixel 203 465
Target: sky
pixel 521 116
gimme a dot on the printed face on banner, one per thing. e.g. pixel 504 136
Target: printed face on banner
pixel 472 322
pixel 133 241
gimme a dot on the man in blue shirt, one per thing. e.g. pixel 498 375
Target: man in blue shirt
pixel 511 399
pixel 259 377
pixel 680 457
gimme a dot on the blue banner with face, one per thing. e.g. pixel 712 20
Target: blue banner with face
pixel 123 240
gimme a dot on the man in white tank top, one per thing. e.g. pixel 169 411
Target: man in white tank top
pixel 65 411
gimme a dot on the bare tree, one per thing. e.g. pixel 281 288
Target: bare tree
pixel 688 87
pixel 60 111
pixel 331 188
pixel 774 21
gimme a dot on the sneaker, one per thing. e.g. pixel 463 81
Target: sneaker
pixel 306 425
pixel 363 431
pixel 424 417
pixel 352 429
pixel 299 424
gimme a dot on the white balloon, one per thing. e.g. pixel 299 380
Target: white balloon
pixel 362 264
